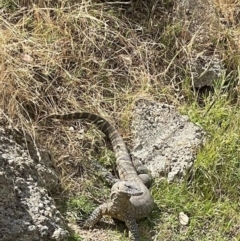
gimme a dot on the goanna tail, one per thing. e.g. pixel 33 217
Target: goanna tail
pixel 124 164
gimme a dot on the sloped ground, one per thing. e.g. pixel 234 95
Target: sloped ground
pixel 101 57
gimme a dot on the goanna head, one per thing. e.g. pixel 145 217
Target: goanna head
pixel 124 189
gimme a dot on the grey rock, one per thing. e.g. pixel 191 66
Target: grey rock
pixel 168 148
pixel 27 213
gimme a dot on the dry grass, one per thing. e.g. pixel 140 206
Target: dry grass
pixel 230 14
pixel 75 57
pixel 62 56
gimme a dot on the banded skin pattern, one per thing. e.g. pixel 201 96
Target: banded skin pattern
pixel 130 198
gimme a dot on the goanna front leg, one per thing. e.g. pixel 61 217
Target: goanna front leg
pixel 133 228
pixel 96 215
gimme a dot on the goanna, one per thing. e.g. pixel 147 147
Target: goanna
pixel 130 198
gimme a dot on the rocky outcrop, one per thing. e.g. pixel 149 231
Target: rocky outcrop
pixel 27 212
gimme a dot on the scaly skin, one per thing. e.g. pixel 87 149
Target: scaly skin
pixel 130 198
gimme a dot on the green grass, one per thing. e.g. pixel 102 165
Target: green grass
pixel 210 193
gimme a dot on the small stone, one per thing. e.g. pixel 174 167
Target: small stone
pixel 183 218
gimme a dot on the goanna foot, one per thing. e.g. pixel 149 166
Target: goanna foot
pixel 133 228
pixel 96 215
